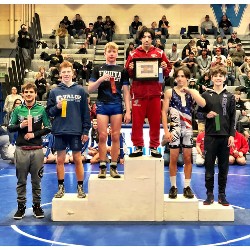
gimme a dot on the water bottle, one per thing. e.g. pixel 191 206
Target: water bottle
pixel 161 78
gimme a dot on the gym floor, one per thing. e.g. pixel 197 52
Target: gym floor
pixel 44 232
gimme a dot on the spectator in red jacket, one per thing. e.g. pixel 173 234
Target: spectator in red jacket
pixel 238 152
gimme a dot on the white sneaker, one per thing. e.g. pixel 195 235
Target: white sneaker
pixel 26 70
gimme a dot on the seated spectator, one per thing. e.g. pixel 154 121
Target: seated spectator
pixel 233 41
pixel 247 84
pixel 218 54
pixel 204 82
pixel 187 49
pixel 225 26
pixel 204 62
pixel 67 24
pixel 42 70
pixel 55 58
pixel 62 32
pixel 109 28
pixel 54 74
pixel 192 84
pixel 241 114
pixel 49 154
pixel 191 62
pixel 41 85
pixel 238 55
pixel 173 54
pixel 133 28
pixel 5 152
pixel 130 48
pixel 137 40
pixel 217 62
pixel 91 36
pixel 99 28
pixel 164 26
pixel 157 31
pixel 203 43
pixel 158 44
pixel 243 70
pixel 208 28
pixel 246 135
pixel 84 71
pixel 219 43
pixel 231 71
pixel 82 49
pixel 238 152
pixel 78 26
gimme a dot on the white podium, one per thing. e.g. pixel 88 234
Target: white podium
pixel 137 196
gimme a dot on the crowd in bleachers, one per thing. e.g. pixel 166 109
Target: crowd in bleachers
pixel 198 55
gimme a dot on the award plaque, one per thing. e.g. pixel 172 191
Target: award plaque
pixel 146 69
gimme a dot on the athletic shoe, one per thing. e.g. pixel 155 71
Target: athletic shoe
pixel 155 153
pixel 80 192
pixel 188 193
pixel 20 213
pixel 222 200
pixel 114 173
pixel 102 173
pixel 173 192
pixel 209 200
pixel 61 191
pixel 138 152
pixel 38 211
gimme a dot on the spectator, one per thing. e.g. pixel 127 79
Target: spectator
pixel 133 28
pixel 78 26
pixel 62 32
pixel 237 55
pixel 207 27
pixel 239 150
pixel 131 47
pixel 55 58
pixel 191 62
pixel 247 84
pixel 164 25
pixel 218 54
pixel 67 24
pixel 25 44
pixel 192 84
pixel 241 114
pixel 5 153
pixel 99 28
pixel 204 62
pixel 231 71
pixel 91 36
pixel 187 49
pixel 220 44
pixel 84 71
pixel 41 85
pixel 233 41
pixel 173 54
pixel 203 43
pixel 217 62
pixel 158 44
pixel 204 82
pixel 246 135
pixel 225 26
pixel 109 28
pixel 157 31
pixel 243 70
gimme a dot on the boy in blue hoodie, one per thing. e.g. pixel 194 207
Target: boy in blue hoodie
pixel 68 105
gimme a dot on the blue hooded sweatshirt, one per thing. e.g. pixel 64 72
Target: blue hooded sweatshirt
pixel 77 120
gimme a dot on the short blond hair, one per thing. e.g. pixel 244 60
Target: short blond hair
pixel 111 45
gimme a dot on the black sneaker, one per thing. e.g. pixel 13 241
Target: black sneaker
pixel 222 200
pixel 38 211
pixel 209 200
pixel 20 213
pixel 188 193
pixel 114 173
pixel 173 192
pixel 80 192
pixel 61 191
pixel 138 152
pixel 155 153
pixel 102 173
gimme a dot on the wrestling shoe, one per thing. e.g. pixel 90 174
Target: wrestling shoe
pixel 209 200
pixel 102 173
pixel 188 193
pixel 61 191
pixel 222 200
pixel 173 192
pixel 114 173
pixel 20 213
pixel 155 153
pixel 138 152
pixel 80 192
pixel 38 211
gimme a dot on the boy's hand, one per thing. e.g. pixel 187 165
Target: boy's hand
pixel 211 114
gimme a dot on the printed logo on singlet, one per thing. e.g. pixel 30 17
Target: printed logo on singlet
pixel 115 74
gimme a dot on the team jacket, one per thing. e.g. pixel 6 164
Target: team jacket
pixel 77 120
pixel 224 105
pixel 39 119
pixel 144 89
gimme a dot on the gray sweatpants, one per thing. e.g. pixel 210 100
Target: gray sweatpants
pixel 28 161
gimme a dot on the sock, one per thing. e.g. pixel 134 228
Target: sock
pixel 173 181
pixel 113 164
pixel 103 164
pixel 80 183
pixel 61 182
pixel 187 183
